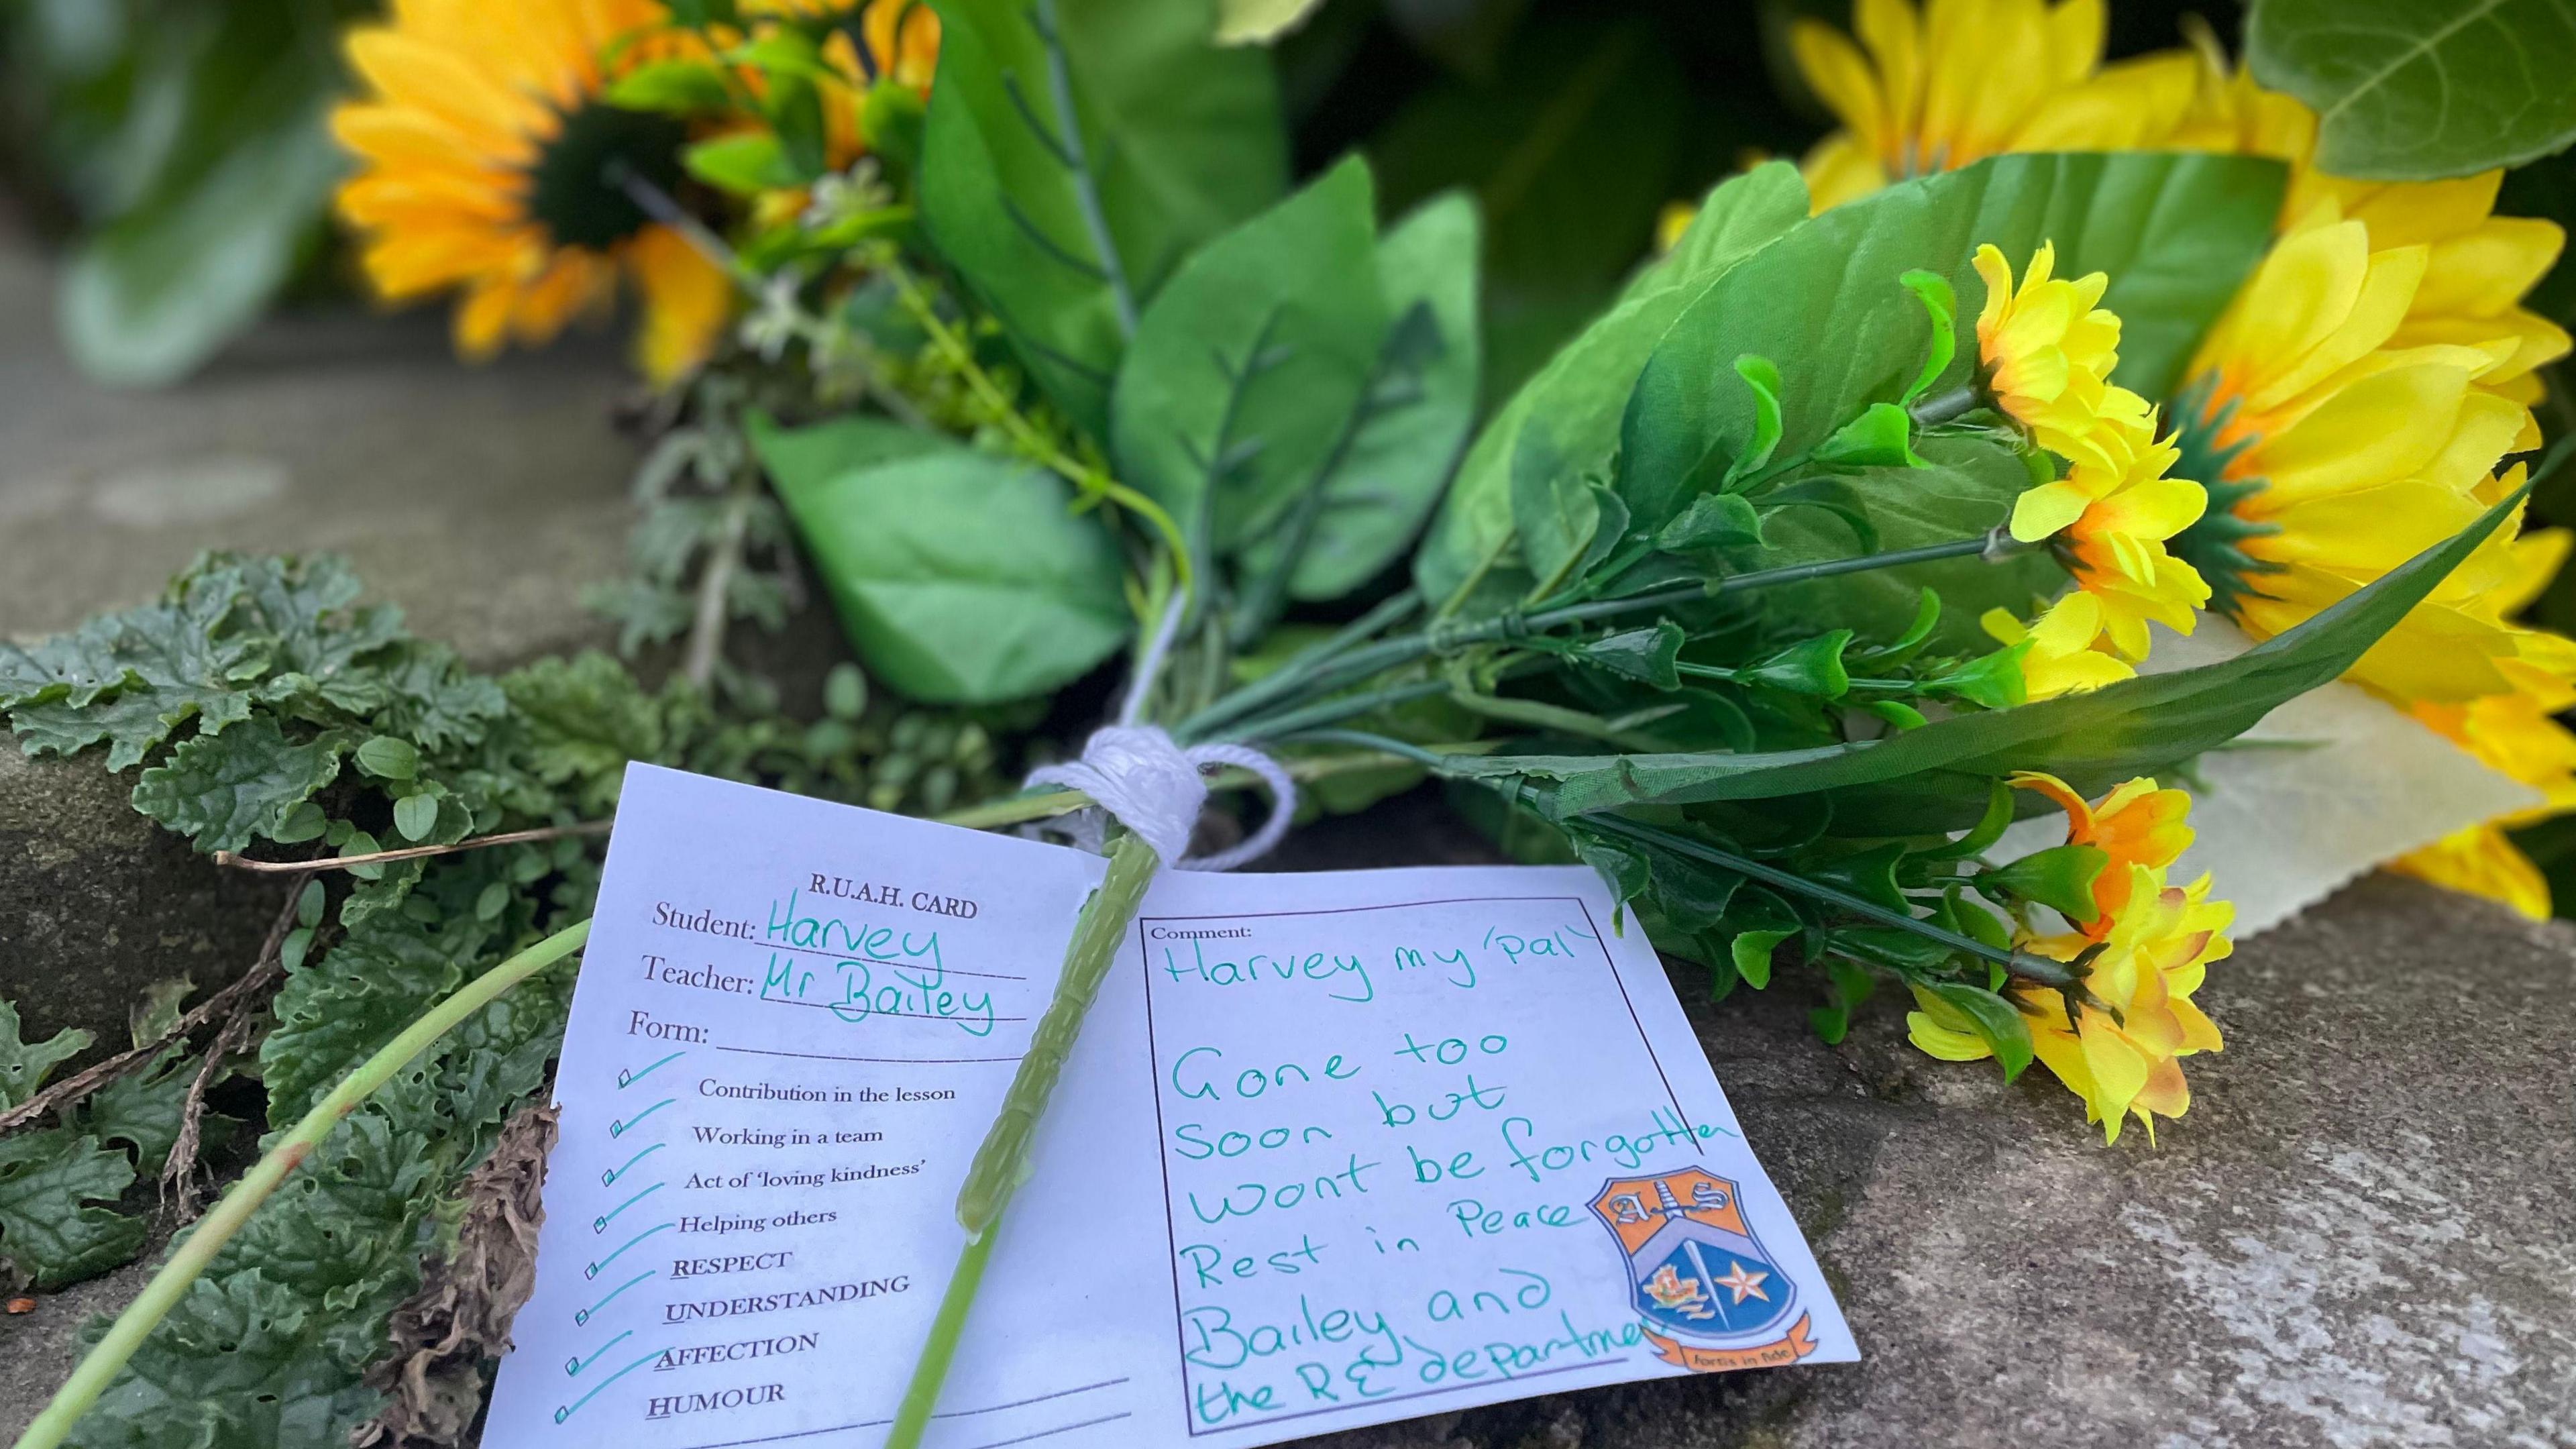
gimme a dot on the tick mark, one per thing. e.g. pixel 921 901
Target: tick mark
pixel 592 1270
pixel 600 1224
pixel 583 1316
pixel 628 1079
pixel 574 1366
pixel 568 1410
pixel 620 1129
pixel 609 1179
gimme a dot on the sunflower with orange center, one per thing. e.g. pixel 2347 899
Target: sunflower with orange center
pixel 2358 403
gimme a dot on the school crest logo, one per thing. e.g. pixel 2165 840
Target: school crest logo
pixel 1706 1288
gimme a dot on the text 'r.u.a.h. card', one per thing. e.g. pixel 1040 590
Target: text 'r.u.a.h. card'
pixel 1332 1149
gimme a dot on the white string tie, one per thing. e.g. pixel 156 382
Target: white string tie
pixel 1155 788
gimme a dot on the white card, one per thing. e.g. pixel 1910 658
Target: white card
pixel 1333 1149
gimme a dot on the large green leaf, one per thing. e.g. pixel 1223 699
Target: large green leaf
pixel 1067 230
pixel 54 1224
pixel 2412 90
pixel 960 577
pixel 1581 391
pixel 1969 488
pixel 2176 234
pixel 1570 137
pixel 1939 777
pixel 210 188
pixel 223 790
pixel 1247 368
pixel 1421 398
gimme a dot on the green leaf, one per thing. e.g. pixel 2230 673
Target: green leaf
pixel 1812 667
pixel 1941 310
pixel 670 87
pixel 1828 302
pixel 2060 877
pixel 339 1009
pixel 50 1224
pixel 129 678
pixel 2412 91
pixel 436 702
pixel 1580 392
pixel 1569 137
pixel 1762 376
pixel 388 758
pixel 221 170
pixel 1941 776
pixel 1245 370
pixel 1881 437
pixel 1713 520
pixel 24 1065
pixel 745 163
pixel 1066 225
pixel 1751 953
pixel 145 1108
pixel 960 577
pixel 1966 487
pixel 225 790
pixel 1399 449
pixel 1998 1023
pixel 416 816
pixel 1556 514
pixel 1647 655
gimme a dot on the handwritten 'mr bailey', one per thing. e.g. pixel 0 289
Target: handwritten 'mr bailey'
pixel 891 893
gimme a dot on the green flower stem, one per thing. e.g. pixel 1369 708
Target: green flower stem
pixel 1332 711
pixel 190 1260
pixel 1002 1163
pixel 2023 964
pixel 1941 407
pixel 1309 676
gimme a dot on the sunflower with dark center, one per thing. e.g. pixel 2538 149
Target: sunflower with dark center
pixel 489 167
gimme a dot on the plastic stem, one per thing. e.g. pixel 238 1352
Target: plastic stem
pixel 1002 1162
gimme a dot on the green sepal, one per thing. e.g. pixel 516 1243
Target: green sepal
pixel 1648 655
pixel 1941 305
pixel 1751 953
pixel 670 88
pixel 1988 829
pixel 1998 1022
pixel 1881 437
pixel 1713 520
pixel 1812 667
pixel 1896 712
pixel 1762 376
pixel 1992 682
pixel 745 163
pixel 2060 877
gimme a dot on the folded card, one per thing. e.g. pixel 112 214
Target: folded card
pixel 1333 1149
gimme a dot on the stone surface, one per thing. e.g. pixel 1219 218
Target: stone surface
pixel 480 499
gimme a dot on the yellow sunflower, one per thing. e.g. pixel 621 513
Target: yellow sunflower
pixel 484 168
pixel 1961 80
pixel 2351 409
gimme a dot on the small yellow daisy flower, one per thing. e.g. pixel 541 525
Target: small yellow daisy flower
pixel 2119 1041
pixel 2064 656
pixel 2047 352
